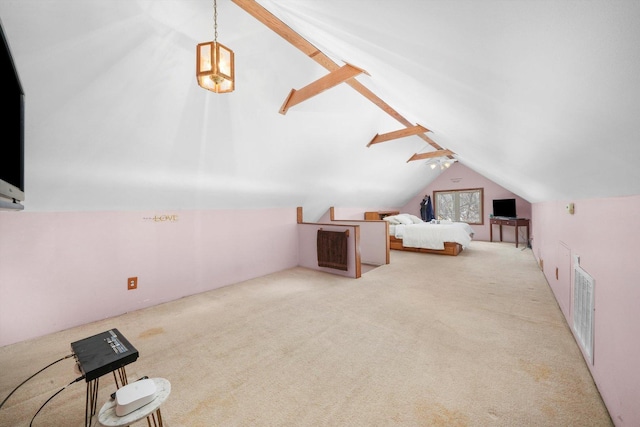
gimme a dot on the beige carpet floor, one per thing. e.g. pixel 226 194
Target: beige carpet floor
pixel 428 340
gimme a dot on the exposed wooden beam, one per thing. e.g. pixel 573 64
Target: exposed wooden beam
pixel 272 22
pixel 332 79
pixel 413 130
pixel 431 155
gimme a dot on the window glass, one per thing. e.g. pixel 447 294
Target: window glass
pixel 459 205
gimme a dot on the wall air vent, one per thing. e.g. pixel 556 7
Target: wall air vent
pixel 584 310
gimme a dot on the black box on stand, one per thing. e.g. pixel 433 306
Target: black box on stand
pixel 102 353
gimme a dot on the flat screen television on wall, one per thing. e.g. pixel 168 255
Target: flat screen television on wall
pixel 504 208
pixel 11 131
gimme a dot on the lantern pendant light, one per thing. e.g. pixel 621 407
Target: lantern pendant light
pixel 214 63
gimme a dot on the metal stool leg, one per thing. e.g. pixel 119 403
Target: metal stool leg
pixel 156 422
pixel 122 373
pixel 91 401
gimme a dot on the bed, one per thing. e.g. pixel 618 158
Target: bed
pixel 409 233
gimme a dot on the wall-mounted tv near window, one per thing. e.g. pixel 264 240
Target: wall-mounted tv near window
pixel 504 208
pixel 11 132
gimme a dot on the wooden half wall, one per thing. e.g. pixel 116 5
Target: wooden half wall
pixel 374 239
pixel 307 246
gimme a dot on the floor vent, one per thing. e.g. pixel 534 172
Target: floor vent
pixel 583 310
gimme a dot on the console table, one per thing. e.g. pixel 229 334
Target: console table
pixel 514 222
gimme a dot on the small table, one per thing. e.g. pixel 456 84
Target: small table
pixel 514 222
pixel 107 416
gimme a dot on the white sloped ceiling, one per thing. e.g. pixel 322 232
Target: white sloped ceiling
pixel 542 97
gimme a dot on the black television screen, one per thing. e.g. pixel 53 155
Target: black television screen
pixel 505 208
pixel 11 131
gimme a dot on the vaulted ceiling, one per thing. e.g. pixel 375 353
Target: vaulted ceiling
pixel 541 97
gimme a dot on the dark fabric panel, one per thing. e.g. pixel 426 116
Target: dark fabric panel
pixel 332 249
pixel 426 209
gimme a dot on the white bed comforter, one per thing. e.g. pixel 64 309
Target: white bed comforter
pixel 433 236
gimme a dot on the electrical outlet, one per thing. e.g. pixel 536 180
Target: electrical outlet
pixel 132 283
pixel 570 208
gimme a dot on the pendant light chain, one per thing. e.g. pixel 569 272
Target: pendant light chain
pixel 215 21
pixel 214 62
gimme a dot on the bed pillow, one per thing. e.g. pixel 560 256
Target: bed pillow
pixel 391 219
pixel 415 219
pixel 404 219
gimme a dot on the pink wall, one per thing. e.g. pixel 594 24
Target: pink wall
pixel 59 270
pixel 458 177
pixel 604 234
